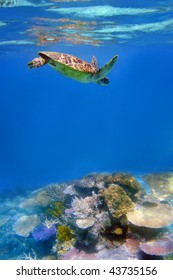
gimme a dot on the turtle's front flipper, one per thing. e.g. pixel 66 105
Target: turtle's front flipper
pixel 107 67
pixel 37 62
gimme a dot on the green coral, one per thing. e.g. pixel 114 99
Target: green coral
pixel 65 233
pixel 117 201
pixel 56 209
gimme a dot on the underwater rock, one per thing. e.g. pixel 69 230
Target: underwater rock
pixel 117 201
pixel 127 182
pixel 161 185
pixel 42 233
pixel 158 247
pixel 26 224
pixel 155 216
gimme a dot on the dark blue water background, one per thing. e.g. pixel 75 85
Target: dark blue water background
pixel 53 129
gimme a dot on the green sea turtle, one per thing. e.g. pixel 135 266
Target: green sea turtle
pixel 75 68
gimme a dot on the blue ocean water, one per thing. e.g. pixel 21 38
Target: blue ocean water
pixel 53 129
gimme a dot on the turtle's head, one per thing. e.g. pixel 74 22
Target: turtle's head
pixel 103 82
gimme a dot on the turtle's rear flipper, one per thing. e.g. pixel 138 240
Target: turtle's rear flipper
pixel 37 62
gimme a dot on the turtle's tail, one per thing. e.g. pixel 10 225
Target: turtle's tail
pixel 36 62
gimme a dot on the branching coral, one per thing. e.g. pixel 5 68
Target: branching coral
pixel 85 207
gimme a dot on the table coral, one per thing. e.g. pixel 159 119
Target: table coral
pixel 26 224
pixel 155 216
pixel 158 247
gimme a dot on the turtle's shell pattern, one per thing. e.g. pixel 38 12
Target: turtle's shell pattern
pixel 70 61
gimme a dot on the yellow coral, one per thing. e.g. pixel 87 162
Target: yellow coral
pixel 118 231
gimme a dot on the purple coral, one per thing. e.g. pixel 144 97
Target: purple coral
pixel 42 232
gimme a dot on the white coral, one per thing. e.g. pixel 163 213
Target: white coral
pixel 85 207
pixel 50 223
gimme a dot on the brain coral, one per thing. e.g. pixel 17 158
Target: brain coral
pixel 26 224
pixel 117 201
pixel 155 216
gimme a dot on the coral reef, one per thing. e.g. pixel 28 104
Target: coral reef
pixel 100 216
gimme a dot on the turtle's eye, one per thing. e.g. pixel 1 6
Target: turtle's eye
pixel 103 82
